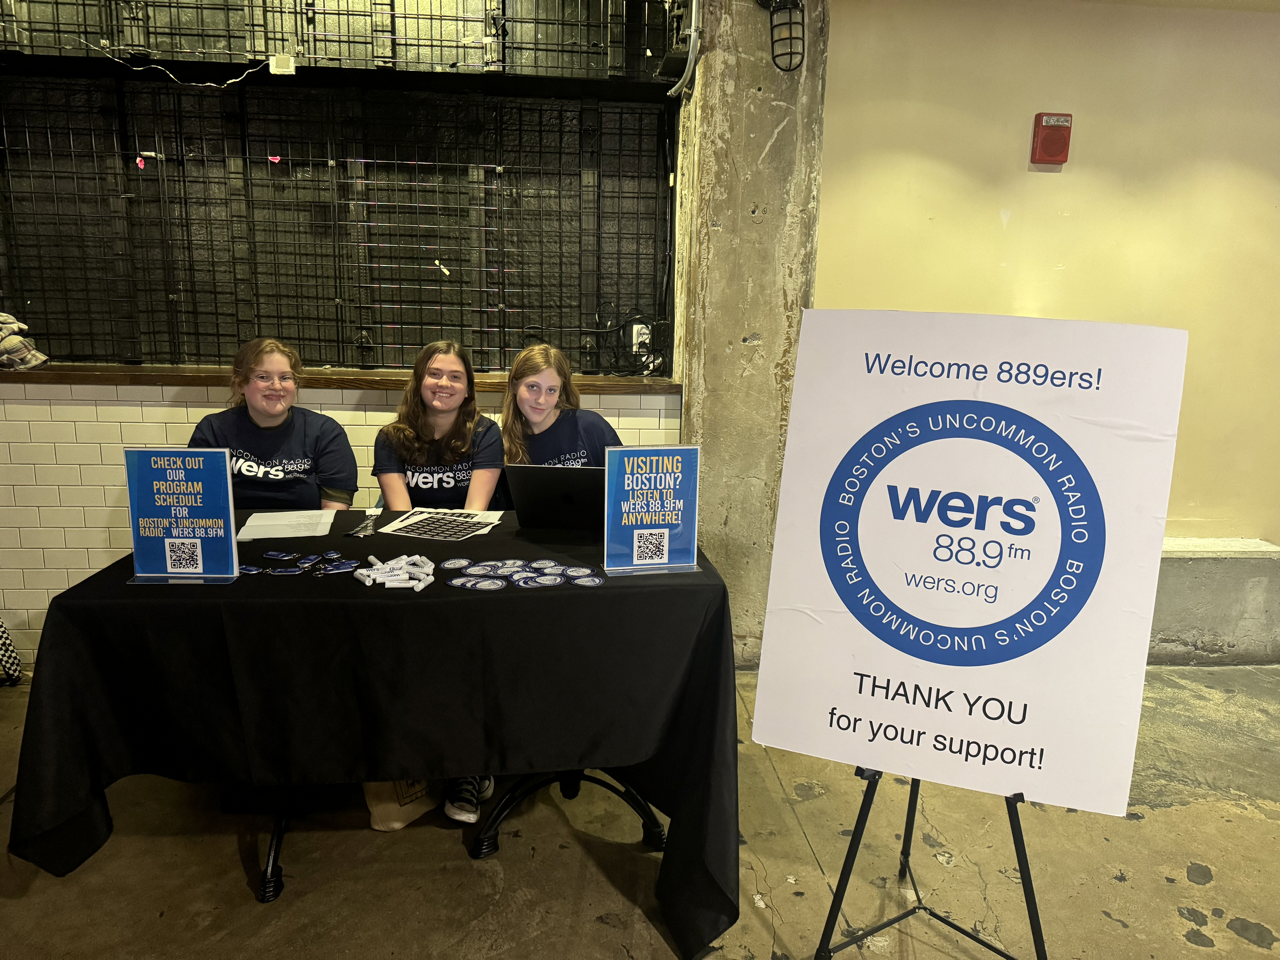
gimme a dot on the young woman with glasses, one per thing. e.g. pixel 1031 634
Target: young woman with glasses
pixel 282 457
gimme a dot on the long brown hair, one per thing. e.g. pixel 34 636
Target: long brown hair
pixel 411 435
pixel 531 360
pixel 250 355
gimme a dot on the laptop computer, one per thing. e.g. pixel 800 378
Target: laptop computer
pixel 558 498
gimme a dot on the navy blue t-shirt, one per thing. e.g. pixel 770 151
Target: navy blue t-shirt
pixel 576 439
pixel 443 486
pixel 284 467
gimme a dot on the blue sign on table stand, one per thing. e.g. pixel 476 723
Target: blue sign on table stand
pixel 182 515
pixel 650 509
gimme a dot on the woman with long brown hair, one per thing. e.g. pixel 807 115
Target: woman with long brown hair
pixel 439 451
pixel 542 422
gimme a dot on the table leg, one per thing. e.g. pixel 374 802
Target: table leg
pixel 273 873
pixel 486 842
pixel 654 837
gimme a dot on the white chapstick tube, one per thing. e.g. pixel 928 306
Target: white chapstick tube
pixel 374 560
pixel 421 584
pixel 419 574
pixel 363 578
pixel 398 584
pixel 400 559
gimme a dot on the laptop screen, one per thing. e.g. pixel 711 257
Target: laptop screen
pixel 558 498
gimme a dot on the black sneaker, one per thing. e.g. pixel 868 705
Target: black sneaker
pixel 464 796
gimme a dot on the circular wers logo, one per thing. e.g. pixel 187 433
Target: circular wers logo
pixel 963 532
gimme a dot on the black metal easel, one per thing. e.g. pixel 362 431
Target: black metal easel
pixel 825 950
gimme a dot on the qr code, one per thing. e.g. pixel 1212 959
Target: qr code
pixel 649 546
pixel 183 556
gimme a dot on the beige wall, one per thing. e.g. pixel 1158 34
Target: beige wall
pixel 64 509
pixel 1168 212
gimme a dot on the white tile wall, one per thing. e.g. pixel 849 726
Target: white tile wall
pixel 63 506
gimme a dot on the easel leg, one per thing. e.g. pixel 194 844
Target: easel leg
pixel 1024 870
pixel 908 831
pixel 868 798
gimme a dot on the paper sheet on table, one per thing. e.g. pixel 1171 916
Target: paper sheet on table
pixel 287 523
pixel 435 524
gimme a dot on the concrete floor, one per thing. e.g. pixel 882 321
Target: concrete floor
pixel 1194 871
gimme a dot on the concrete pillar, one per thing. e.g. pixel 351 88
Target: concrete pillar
pixel 750 148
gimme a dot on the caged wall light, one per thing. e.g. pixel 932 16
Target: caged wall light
pixel 786 32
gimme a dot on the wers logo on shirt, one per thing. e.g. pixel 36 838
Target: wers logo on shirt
pixel 438 478
pixel 246 465
pixel 572 458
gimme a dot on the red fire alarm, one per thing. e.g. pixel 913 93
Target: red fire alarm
pixel 1052 138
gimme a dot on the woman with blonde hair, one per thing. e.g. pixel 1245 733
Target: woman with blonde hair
pixel 439 451
pixel 542 423
pixel 282 457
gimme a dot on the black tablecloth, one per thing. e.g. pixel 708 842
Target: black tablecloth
pixel 296 680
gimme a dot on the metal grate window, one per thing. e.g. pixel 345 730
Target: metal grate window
pixel 148 222
pixel 563 38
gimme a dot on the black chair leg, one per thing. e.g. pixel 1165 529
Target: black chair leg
pixel 273 873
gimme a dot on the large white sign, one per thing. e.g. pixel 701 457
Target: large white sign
pixel 967 549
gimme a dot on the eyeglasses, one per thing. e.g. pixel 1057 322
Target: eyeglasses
pixel 285 380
